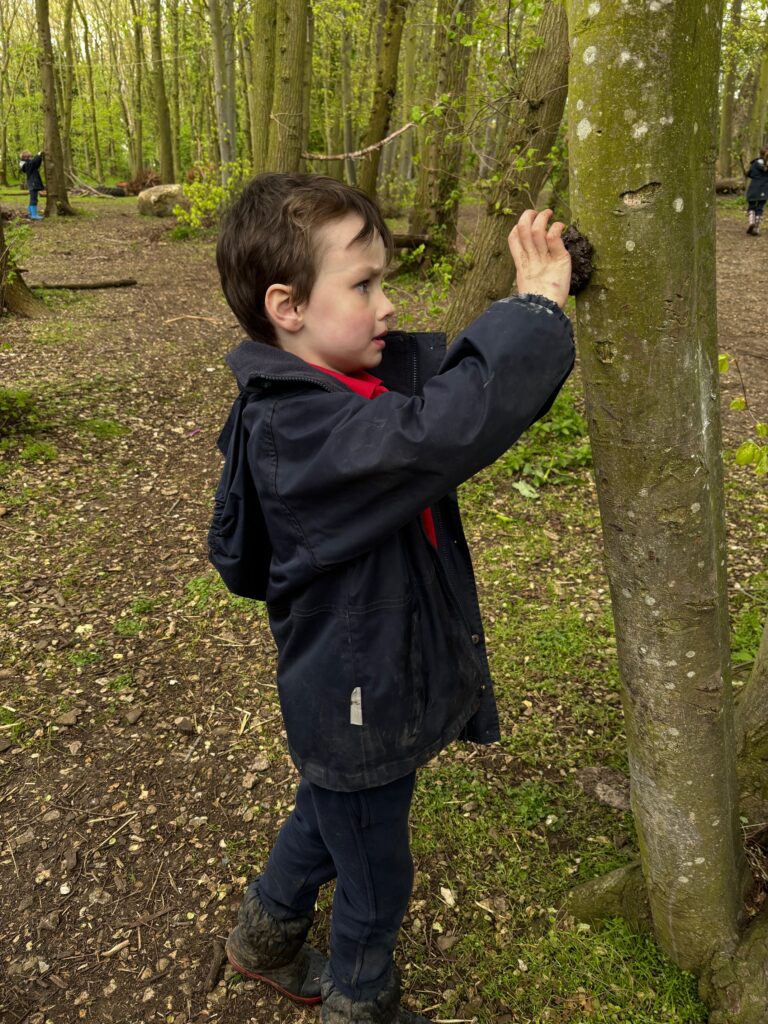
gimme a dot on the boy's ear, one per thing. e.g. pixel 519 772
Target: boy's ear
pixel 281 309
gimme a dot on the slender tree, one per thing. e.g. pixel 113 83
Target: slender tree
pixel 57 201
pixel 725 159
pixel 263 79
pixel 162 111
pixel 388 55
pixel 532 131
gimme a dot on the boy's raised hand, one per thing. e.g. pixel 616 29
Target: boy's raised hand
pixel 542 262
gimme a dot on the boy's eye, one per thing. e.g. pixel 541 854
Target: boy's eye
pixel 362 287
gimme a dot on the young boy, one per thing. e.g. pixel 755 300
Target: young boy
pixel 369 587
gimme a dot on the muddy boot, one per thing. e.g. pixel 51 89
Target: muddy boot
pixel 384 1009
pixel 273 951
pixel 752 222
pixel 757 226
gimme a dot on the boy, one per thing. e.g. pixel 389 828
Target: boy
pixel 368 582
pixel 30 167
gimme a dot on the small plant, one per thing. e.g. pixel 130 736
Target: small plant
pixel 39 451
pixel 207 195
pixel 102 429
pixel 753 451
pixel 18 411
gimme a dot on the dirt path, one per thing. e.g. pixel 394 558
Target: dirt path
pixel 152 769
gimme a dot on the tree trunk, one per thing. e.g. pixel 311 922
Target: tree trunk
pixel 346 103
pixel 532 131
pixel 138 104
pixel 222 38
pixel 306 95
pixel 756 128
pixel 725 159
pixel 67 80
pixel 14 294
pixel 175 87
pixel 57 201
pixel 263 57
pixel 92 97
pixel 647 329
pixel 286 129
pixel 162 112
pixel 387 59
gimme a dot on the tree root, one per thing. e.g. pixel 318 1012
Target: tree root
pixel 736 986
pixel 620 893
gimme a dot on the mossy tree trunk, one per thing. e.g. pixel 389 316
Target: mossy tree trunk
pixel 752 737
pixel 286 129
pixel 162 110
pixel 725 159
pixel 14 294
pixel 263 79
pixel 387 58
pixel 57 201
pixel 643 96
pixel 532 130
pixel 438 191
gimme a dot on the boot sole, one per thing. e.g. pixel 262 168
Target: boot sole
pixel 293 996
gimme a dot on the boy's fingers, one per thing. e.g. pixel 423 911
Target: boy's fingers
pixel 539 232
pixel 515 247
pixel 524 230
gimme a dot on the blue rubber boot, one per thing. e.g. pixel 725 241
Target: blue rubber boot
pixel 34 215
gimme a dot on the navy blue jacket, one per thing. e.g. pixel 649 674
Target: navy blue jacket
pixel 381 655
pixel 31 168
pixel 758 184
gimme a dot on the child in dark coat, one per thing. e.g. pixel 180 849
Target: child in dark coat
pixel 29 166
pixel 356 438
pixel 757 191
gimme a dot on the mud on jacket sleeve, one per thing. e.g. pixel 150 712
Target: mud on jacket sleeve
pixel 349 473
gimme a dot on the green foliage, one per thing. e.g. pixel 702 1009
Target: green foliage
pixel 552 450
pixel 38 451
pixel 752 452
pixel 18 411
pixel 208 197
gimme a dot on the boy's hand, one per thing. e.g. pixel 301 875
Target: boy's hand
pixel 542 262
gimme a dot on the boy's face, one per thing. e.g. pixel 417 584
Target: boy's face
pixel 345 317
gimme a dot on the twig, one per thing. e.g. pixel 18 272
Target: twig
pixel 113 834
pixel 359 152
pixel 215 969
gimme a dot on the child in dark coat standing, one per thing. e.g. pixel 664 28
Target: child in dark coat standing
pixel 29 166
pixel 368 581
pixel 757 191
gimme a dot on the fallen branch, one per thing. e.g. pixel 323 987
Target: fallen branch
pixel 124 282
pixel 359 152
pixel 406 241
pixel 217 959
pixel 191 316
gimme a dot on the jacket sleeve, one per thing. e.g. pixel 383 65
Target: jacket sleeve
pixel 349 472
pixel 33 163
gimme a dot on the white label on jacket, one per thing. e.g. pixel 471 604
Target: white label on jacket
pixel 356 707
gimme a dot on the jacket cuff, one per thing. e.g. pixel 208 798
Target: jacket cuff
pixel 540 300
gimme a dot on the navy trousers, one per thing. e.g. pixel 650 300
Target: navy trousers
pixel 33 193
pixel 361 840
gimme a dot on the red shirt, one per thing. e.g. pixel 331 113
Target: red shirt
pixel 368 386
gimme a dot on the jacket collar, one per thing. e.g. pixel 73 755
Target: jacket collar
pixel 409 360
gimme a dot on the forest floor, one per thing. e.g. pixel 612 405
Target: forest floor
pixel 143 770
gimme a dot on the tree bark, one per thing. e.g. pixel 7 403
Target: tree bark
pixel 384 91
pixel 725 159
pixel 533 129
pixel 14 294
pixel 286 129
pixel 647 330
pixel 57 201
pixel 263 58
pixel 91 96
pixel 756 128
pixel 67 80
pixel 222 40
pixel 162 111
pixel 137 125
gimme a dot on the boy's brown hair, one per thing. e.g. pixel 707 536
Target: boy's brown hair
pixel 267 237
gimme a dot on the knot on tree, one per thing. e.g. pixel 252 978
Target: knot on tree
pixel 581 250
